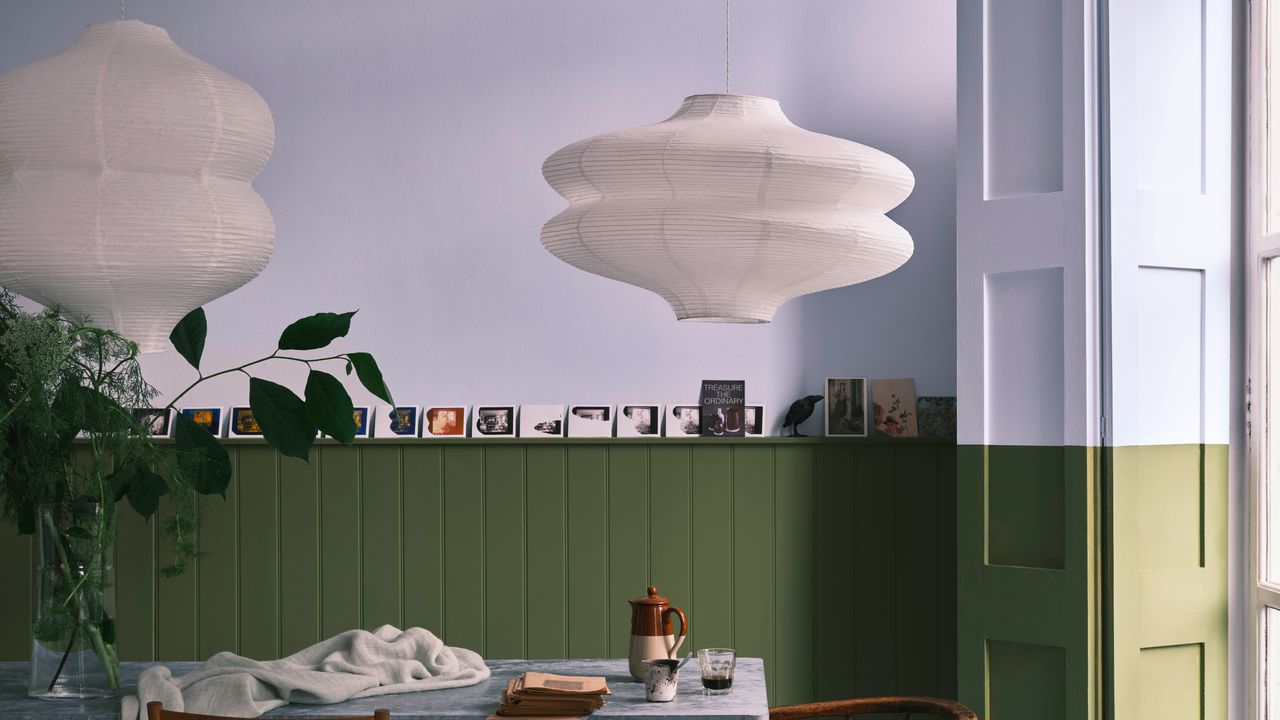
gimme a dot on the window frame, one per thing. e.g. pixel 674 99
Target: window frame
pixel 1261 248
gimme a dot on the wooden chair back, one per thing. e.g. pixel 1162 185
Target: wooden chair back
pixel 156 711
pixel 933 707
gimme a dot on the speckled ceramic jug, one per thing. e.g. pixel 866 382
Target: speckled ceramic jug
pixel 651 633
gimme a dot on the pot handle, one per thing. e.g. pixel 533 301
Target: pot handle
pixel 684 629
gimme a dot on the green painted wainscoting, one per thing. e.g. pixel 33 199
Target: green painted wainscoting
pixel 832 559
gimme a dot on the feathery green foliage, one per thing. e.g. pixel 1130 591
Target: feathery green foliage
pixel 63 381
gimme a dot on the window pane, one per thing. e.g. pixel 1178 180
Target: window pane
pixel 1271 660
pixel 1271 397
pixel 1271 172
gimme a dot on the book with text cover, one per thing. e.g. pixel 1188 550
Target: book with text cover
pixel 723 404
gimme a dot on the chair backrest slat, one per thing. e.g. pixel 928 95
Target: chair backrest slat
pixel 944 709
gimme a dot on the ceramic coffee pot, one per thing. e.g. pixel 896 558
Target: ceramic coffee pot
pixel 651 634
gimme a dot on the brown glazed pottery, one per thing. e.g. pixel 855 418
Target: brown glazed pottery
pixel 652 636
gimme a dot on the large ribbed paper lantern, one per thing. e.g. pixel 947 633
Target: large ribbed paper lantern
pixel 125 166
pixel 727 210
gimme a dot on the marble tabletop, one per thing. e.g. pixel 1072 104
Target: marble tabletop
pixel 747 701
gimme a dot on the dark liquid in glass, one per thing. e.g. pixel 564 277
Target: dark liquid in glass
pixel 717 683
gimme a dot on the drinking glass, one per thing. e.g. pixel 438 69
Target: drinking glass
pixel 717 670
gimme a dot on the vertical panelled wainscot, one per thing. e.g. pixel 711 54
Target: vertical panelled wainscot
pixel 833 559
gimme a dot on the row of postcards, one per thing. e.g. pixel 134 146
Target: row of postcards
pixel 480 421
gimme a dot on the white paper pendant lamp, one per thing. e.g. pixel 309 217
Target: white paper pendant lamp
pixel 728 210
pixel 125 170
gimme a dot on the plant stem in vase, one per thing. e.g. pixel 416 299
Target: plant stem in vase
pixel 73 653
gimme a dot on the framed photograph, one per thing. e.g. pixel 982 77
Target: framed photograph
pixel 495 421
pixel 362 415
pixel 394 422
pixel 541 421
pixel 206 417
pixel 754 422
pixel 590 421
pixel 937 416
pixel 684 420
pixel 444 420
pixel 243 424
pixel 155 421
pixel 846 407
pixel 640 420
pixel 893 408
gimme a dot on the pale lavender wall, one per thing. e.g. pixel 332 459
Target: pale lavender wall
pixel 405 182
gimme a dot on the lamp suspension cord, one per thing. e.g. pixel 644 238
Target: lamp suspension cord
pixel 122 10
pixel 726 45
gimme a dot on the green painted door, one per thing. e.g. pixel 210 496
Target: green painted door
pixel 1027 594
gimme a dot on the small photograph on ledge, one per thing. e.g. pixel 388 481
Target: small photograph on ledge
pixel 495 421
pixel 400 421
pixel 684 420
pixel 209 418
pixel 361 417
pixel 846 401
pixel 937 416
pixel 893 408
pixel 444 421
pixel 154 421
pixel 541 421
pixel 639 420
pixel 243 424
pixel 753 425
pixel 590 421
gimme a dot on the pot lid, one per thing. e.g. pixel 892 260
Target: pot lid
pixel 652 598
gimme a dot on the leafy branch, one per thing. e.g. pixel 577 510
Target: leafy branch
pixel 61 379
pixel 290 423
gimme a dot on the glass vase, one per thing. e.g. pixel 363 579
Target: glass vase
pixel 73 652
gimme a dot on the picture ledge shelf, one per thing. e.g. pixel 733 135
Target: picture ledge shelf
pixel 775 439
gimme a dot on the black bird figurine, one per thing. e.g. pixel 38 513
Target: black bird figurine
pixel 799 412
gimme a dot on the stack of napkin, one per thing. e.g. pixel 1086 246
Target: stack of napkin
pixel 543 694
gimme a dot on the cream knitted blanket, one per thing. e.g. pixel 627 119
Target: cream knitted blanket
pixel 352 664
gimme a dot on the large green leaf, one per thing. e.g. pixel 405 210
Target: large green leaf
pixel 205 461
pixel 188 336
pixel 369 374
pixel 282 417
pixel 316 331
pixel 144 487
pixel 121 480
pixel 329 407
pixel 144 496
